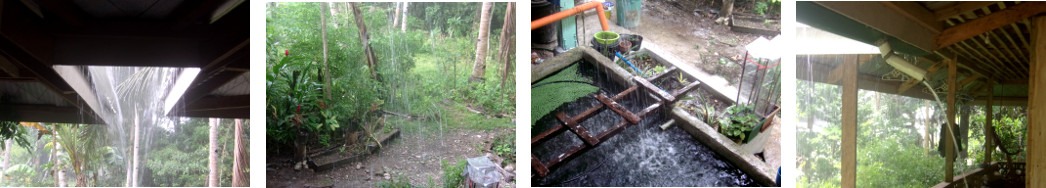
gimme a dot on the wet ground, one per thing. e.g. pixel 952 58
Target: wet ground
pixel 414 155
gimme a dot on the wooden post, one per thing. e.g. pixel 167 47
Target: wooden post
pixel 949 140
pixel 849 137
pixel 989 129
pixel 1036 165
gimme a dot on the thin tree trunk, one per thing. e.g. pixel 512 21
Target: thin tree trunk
pixel 364 37
pixel 326 70
pixel 479 65
pixel 727 9
pixel 506 30
pixel 505 41
pixel 58 168
pixel 403 24
pixel 396 15
pixel 134 161
pixel 7 155
pixel 212 177
pixel 238 178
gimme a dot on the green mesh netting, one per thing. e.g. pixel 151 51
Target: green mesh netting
pixel 549 96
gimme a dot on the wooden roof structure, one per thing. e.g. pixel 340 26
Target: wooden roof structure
pixel 977 52
pixel 989 40
pixel 37 35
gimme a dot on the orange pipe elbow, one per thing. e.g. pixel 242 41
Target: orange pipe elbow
pixel 570 12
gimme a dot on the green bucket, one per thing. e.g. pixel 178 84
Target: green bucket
pixel 607 37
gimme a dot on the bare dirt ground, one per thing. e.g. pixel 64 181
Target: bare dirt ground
pixel 414 155
pixel 688 30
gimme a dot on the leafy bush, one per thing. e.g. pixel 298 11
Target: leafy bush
pixel 452 173
pixel 739 123
pixel 505 146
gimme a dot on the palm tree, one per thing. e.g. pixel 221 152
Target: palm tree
pixel 479 67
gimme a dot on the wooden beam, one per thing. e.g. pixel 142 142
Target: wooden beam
pixel 959 8
pixel 968 80
pixel 849 120
pixel 886 19
pixel 865 82
pixel 949 140
pixel 9 67
pixel 46 113
pixel 915 12
pixel 987 23
pixel 127 52
pixel 907 85
pixel 838 72
pixel 66 10
pixel 1036 165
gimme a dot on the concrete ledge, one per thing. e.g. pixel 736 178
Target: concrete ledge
pixel 747 162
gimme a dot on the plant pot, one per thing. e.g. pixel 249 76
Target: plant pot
pixel 606 37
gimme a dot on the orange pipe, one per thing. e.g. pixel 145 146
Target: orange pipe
pixel 572 11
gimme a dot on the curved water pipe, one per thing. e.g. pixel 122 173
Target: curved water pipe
pixel 572 11
pixel 916 73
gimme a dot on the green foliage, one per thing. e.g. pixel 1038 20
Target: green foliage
pixel 740 121
pixel 452 177
pixel 182 151
pixel 505 146
pixel 11 130
pixel 548 97
pixel 399 181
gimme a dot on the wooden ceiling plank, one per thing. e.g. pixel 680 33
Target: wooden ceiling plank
pixel 998 19
pixel 986 59
pixel 991 34
pixel 959 8
pixel 1013 43
pixel 990 57
pixel 917 13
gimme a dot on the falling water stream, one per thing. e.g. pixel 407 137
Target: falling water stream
pixel 640 155
pixel 130 97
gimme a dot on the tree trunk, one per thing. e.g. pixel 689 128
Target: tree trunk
pixel 507 44
pixel 506 30
pixel 134 150
pixel 364 37
pixel 212 154
pixel 726 9
pixel 479 65
pixel 396 15
pixel 403 24
pixel 239 156
pixel 7 155
pixel 58 168
pixel 326 70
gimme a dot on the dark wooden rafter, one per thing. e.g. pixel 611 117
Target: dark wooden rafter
pixel 27 49
pixel 995 20
pixel 959 8
pixel 915 12
pixel 66 10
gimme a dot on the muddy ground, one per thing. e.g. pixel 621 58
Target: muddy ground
pixel 414 155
